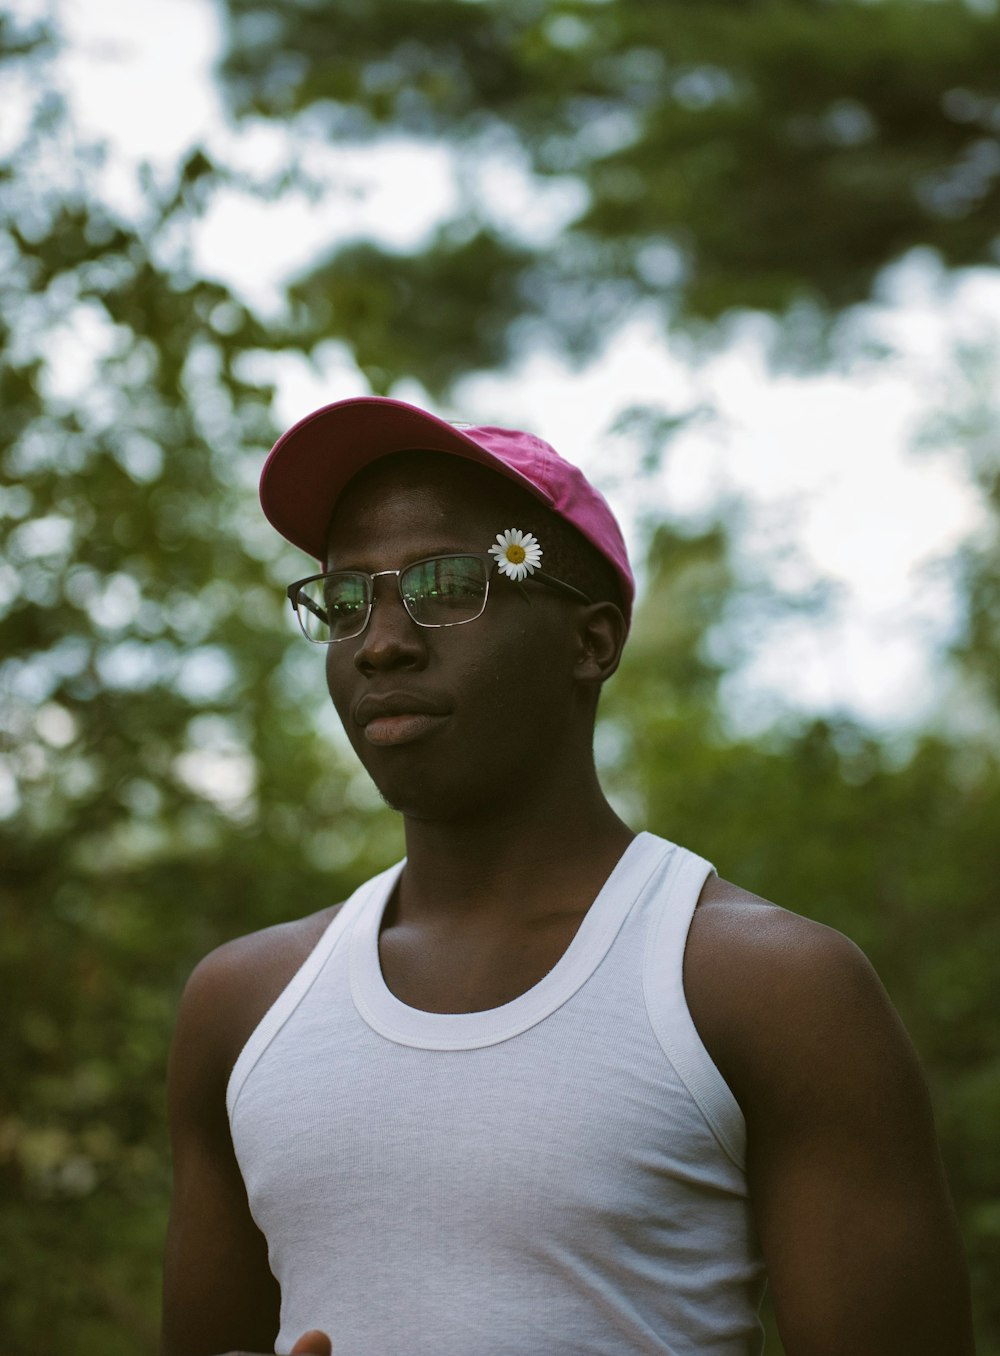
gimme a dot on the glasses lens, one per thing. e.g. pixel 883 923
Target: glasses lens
pixel 334 607
pixel 446 591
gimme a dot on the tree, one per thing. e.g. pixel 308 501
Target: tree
pixel 769 156
pixel 163 782
pixel 824 818
pixel 164 779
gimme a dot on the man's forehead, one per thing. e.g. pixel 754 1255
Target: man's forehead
pixel 431 490
pixel 431 477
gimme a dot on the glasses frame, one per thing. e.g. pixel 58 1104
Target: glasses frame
pixel 297 598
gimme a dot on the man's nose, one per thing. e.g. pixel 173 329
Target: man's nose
pixel 392 639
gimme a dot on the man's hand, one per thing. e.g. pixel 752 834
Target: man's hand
pixel 312 1343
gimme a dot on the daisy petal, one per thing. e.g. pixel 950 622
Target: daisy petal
pixel 516 553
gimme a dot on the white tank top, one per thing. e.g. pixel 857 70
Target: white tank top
pixel 559 1176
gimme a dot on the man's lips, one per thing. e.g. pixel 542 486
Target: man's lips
pixel 400 729
pixel 397 717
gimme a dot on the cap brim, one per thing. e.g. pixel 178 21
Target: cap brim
pixel 310 465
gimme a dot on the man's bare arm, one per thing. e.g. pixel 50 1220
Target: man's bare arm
pixel 218 1290
pixel 846 1181
pixel 219 1293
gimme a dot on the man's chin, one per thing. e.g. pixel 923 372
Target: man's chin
pixel 430 804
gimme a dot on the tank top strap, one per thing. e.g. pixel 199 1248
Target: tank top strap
pixel 373 893
pixel 684 875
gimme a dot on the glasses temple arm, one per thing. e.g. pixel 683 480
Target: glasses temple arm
pixel 299 599
pixel 560 585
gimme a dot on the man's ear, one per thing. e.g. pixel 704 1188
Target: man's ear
pixel 601 637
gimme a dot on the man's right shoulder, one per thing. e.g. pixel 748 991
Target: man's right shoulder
pixel 231 989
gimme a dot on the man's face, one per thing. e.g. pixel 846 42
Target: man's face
pixel 450 721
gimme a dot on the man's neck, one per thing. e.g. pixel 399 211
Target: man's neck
pixel 512 862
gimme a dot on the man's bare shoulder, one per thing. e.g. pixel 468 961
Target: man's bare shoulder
pixel 265 956
pixel 231 989
pixel 845 1177
pixel 775 996
pixel 734 927
pixel 738 941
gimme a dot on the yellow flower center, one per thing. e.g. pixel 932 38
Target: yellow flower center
pixel 515 553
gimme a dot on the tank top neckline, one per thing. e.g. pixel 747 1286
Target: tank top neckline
pixel 379 1007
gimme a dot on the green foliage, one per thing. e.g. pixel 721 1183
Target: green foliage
pixel 726 155
pixel 902 856
pixel 409 313
pixel 165 779
pixel 164 782
pixel 970 419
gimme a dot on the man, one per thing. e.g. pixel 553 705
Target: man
pixel 549 1087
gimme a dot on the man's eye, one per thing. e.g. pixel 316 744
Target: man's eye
pixel 345 607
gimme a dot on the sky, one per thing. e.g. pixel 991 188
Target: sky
pixel 823 466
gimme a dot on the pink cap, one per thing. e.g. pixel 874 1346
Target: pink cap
pixel 310 465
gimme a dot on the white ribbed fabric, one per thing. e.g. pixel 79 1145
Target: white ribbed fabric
pixel 560 1176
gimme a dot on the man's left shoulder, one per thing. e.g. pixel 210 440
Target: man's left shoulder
pixel 844 1173
pixel 780 999
pixel 749 939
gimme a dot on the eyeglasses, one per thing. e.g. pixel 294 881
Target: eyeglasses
pixel 438 591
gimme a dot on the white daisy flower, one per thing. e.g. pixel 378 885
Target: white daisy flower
pixel 517 553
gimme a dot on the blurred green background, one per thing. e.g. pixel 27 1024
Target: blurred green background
pixel 168 776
